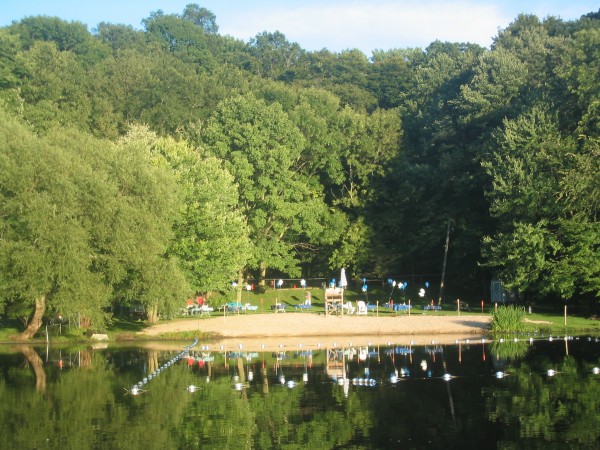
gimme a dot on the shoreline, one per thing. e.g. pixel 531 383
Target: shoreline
pixel 305 330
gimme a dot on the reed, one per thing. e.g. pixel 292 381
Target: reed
pixel 508 319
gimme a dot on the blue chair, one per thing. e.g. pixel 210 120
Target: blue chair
pixel 402 307
pixel 432 308
pixel 303 307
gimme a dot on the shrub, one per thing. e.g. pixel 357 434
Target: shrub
pixel 508 319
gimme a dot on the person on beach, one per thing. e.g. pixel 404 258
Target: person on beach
pixel 307 298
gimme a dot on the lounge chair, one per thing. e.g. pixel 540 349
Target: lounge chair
pixel 248 307
pixel 432 308
pixel 303 306
pixel 277 307
pixel 349 308
pixel 402 307
pixel 232 307
pixel 206 310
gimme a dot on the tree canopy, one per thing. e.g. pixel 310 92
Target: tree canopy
pixel 146 165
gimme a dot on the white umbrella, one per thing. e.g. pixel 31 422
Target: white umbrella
pixel 343 280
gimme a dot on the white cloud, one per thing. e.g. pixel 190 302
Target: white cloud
pixel 374 25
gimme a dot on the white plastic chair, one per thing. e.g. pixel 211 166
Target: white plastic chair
pixel 361 308
pixel 349 308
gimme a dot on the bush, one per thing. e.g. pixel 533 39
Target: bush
pixel 508 319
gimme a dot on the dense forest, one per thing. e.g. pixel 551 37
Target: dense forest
pixel 145 165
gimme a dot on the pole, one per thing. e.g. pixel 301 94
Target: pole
pixel 444 265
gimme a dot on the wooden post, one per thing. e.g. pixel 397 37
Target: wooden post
pixel 458 305
pixel 565 315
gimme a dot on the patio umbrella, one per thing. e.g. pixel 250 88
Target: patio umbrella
pixel 343 280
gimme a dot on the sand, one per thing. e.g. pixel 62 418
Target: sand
pixel 260 331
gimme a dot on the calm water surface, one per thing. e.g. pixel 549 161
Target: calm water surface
pixel 542 393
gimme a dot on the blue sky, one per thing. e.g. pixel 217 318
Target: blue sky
pixel 316 24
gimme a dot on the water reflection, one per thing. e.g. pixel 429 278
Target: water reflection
pixel 501 393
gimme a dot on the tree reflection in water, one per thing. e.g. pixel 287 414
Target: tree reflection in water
pixel 75 398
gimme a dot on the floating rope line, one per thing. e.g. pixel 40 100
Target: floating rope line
pixel 137 388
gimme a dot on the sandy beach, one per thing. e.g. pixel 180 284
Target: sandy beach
pixel 312 330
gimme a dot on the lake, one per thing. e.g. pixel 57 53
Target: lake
pixel 526 393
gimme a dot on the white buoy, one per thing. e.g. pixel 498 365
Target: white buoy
pixel 192 388
pixel 596 370
pixel 499 374
pixel 447 377
pixel 551 372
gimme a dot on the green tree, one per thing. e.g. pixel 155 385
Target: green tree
pixel 210 234
pixel 274 54
pixel 81 222
pixel 53 87
pixel 544 243
pixel 201 17
pixel 284 206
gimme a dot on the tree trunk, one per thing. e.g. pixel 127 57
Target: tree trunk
pixel 262 274
pixel 240 287
pixel 152 314
pixel 36 322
